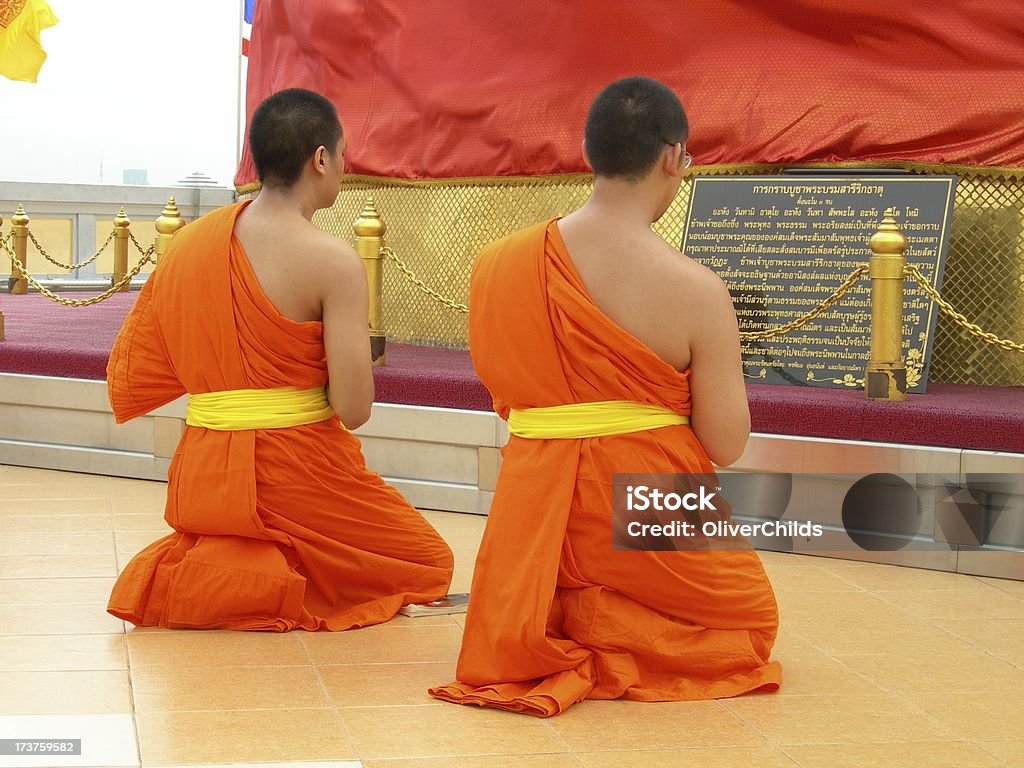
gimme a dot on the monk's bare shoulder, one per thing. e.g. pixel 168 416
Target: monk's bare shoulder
pixel 705 289
pixel 682 274
pixel 331 257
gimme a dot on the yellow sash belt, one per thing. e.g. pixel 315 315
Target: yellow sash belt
pixel 600 419
pixel 237 409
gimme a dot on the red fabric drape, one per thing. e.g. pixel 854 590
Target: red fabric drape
pixel 432 89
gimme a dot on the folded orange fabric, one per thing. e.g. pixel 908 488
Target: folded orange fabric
pixel 555 615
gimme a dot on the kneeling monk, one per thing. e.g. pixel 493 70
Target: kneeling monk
pixel 262 319
pixel 597 309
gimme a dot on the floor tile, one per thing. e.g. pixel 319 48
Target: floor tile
pixel 152 504
pixel 124 487
pixel 974 716
pixel 801 609
pixel 790 579
pixel 427 620
pixel 911 635
pixel 183 648
pixel 57 544
pixel 108 741
pixel 989 603
pixel 77 619
pixel 173 689
pixel 954 754
pixel 65 693
pixel 53 486
pixel 441 730
pixel 1010 752
pixel 81 523
pixel 50 567
pixel 152 522
pixel 875 577
pixel 712 757
pixel 479 761
pixel 856 719
pixel 385 644
pixel 1015 588
pixel 462 534
pixel 195 738
pixel 1002 637
pixel 775 560
pixel 54 591
pixel 970 670
pixel 62 652
pixel 597 726
pixel 130 543
pixel 288 764
pixel 372 685
pixel 71 506
pixel 807 672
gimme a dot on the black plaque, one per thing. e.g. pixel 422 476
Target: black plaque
pixel 783 244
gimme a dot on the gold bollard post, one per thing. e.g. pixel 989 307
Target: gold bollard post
pixel 121 224
pixel 19 225
pixel 370 229
pixel 886 375
pixel 167 224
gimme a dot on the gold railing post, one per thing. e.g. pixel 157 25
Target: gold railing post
pixel 19 226
pixel 370 228
pixel 167 224
pixel 121 224
pixel 886 375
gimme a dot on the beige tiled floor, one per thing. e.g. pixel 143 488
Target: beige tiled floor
pixel 883 666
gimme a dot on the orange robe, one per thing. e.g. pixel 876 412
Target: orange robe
pixel 275 529
pixel 555 616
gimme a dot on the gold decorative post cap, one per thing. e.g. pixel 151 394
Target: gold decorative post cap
pixel 169 220
pixel 888 239
pixel 369 223
pixel 122 220
pixel 20 218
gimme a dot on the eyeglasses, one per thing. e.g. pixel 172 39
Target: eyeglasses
pixel 687 157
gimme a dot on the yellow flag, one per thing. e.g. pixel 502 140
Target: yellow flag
pixel 21 21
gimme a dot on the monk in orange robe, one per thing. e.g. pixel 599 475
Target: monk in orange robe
pixel 278 523
pixel 594 308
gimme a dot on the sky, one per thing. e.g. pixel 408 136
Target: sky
pixel 141 84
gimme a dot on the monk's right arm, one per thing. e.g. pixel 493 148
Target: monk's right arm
pixel 346 311
pixel 720 415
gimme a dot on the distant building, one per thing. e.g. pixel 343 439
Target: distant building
pixel 197 179
pixel 138 176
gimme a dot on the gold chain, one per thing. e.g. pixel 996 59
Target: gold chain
pixel 451 304
pixel 53 261
pixel 23 274
pixel 139 248
pixel 818 310
pixel 911 270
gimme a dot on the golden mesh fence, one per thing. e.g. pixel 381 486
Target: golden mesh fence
pixel 984 281
pixel 437 227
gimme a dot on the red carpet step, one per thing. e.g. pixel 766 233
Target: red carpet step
pixel 46 339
